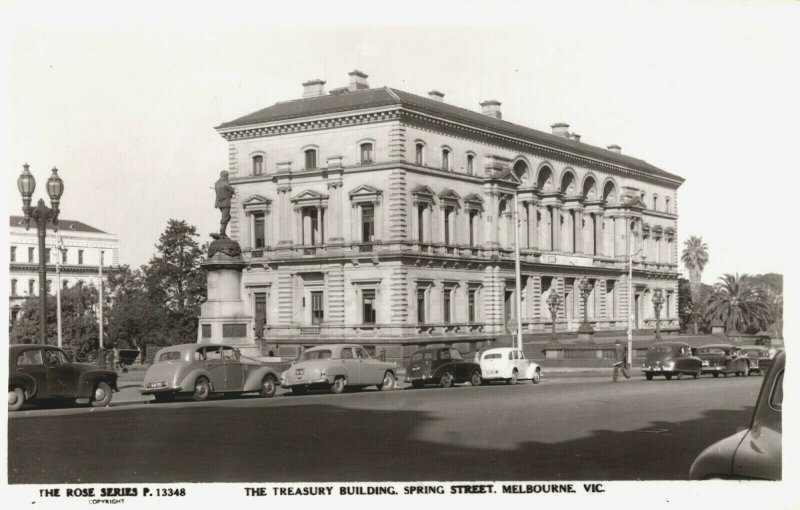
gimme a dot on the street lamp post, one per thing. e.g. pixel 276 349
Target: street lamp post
pixel 553 303
pixel 630 300
pixel 658 302
pixel 42 215
pixel 585 331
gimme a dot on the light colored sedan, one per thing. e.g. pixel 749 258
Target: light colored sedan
pixel 336 367
pixel 202 369
pixel 508 364
pixel 754 453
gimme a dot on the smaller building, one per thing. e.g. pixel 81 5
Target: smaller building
pixel 82 250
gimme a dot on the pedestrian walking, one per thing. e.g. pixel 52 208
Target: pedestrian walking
pixel 620 361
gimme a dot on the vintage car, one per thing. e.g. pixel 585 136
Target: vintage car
pixel 754 453
pixel 443 366
pixel 722 359
pixel 200 370
pixel 336 367
pixel 41 372
pixel 670 358
pixel 508 364
pixel 758 358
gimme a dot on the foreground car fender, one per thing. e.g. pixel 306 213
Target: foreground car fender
pixel 24 381
pixel 187 383
pixel 88 380
pixel 716 461
pixel 253 382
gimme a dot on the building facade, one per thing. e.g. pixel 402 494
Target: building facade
pixel 386 218
pixel 82 249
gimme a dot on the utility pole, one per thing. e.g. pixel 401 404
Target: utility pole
pixel 101 298
pixel 517 272
pixel 59 251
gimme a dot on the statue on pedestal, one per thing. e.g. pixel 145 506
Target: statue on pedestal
pixel 222 243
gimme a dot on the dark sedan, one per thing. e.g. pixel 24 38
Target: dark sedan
pixel 670 359
pixel 723 359
pixel 758 358
pixel 42 372
pixel 443 366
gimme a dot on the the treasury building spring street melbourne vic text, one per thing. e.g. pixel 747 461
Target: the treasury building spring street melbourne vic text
pixel 377 216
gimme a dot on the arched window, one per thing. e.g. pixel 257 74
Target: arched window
pixel 258 164
pixel 311 159
pixel 13 286
pixel 445 159
pixel 366 153
pixel 655 202
pixel 419 153
pixel 470 164
pixel 31 287
pixel 64 284
pixel 666 204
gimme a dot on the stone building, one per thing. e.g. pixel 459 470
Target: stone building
pixel 385 218
pixel 82 248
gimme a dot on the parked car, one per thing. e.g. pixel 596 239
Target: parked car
pixel 508 364
pixel 758 358
pixel 41 372
pixel 443 366
pixel 670 359
pixel 200 370
pixel 754 453
pixel 722 359
pixel 336 367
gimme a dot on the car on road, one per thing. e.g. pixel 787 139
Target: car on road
pixel 336 367
pixel 758 358
pixel 670 359
pixel 443 366
pixel 201 370
pixel 41 372
pixel 508 364
pixel 722 359
pixel 754 453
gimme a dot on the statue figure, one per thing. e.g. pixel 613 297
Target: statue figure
pixel 224 192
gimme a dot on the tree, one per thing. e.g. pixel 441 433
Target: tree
pixel 175 280
pixel 79 325
pixel 695 258
pixel 739 304
pixel 685 304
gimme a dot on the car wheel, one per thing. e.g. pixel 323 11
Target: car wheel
pixel 716 374
pixel 16 398
pixel 446 380
pixel 202 389
pixel 299 390
pixel 648 376
pixel 164 397
pixel 513 380
pixel 268 386
pixel 725 374
pixel 679 375
pixel 697 374
pixel 668 376
pixel 339 385
pixel 388 381
pixel 537 376
pixel 101 396
pixel 475 379
pixel 417 384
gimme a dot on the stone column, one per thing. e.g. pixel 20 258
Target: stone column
pixel 378 208
pixel 578 231
pixel 556 229
pixel 414 220
pixel 522 214
pixel 598 234
pixel 533 227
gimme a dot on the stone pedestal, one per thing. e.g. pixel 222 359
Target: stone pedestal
pixel 586 334
pixel 224 318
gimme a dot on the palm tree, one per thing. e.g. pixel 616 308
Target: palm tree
pixel 695 258
pixel 739 304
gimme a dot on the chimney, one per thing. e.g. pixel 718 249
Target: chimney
pixel 313 88
pixel 560 129
pixel 358 81
pixel 614 148
pixel 576 137
pixel 436 95
pixel 492 108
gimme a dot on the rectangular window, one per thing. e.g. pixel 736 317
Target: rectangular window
pixel 470 164
pixel 445 159
pixel 258 165
pixel 366 153
pixel 64 256
pixel 418 156
pixel 13 287
pixel 446 305
pixel 447 225
pixel 317 312
pixel 421 223
pixel 311 159
pixel 13 254
pixel 47 255
pixel 367 223
pixel 421 306
pixel 80 256
pixel 31 287
pixel 206 330
pixel 259 228
pixel 30 254
pixel 368 302
pixel 260 310
pixel 471 305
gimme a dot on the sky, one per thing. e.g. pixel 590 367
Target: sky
pixel 125 107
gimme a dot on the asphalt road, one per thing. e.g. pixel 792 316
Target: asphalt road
pixel 583 428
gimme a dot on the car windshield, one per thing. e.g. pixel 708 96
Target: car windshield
pixel 493 356
pixel 314 355
pixel 711 350
pixel 660 348
pixel 169 356
pixel 754 352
